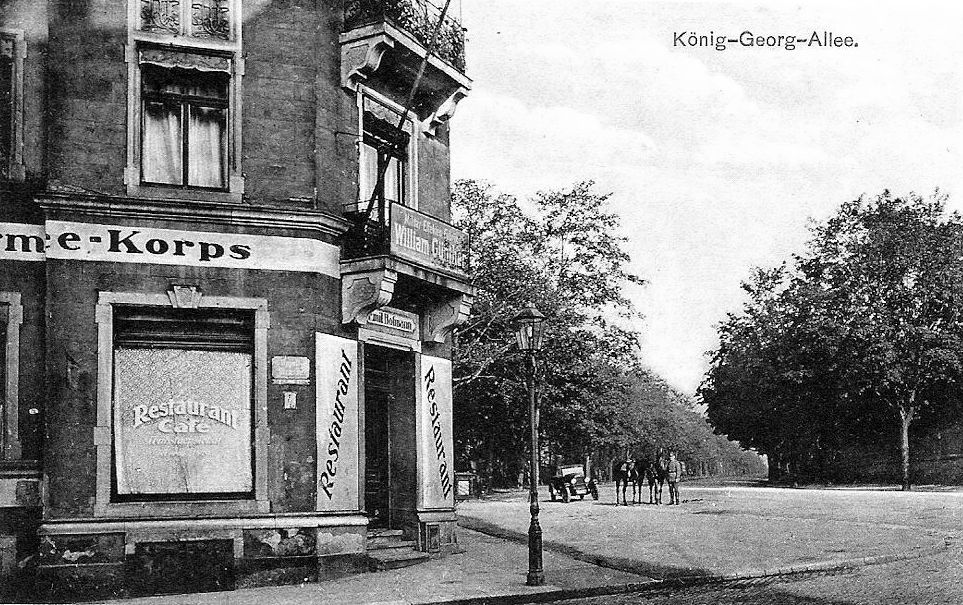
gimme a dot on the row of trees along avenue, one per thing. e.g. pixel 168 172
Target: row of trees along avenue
pixel 849 345
pixel 561 250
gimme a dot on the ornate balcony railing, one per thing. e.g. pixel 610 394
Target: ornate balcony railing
pixel 408 235
pixel 418 18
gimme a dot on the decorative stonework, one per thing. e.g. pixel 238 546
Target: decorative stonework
pixel 362 58
pixel 439 320
pixel 362 293
pixel 445 111
pixel 184 297
pixel 211 19
pixel 161 16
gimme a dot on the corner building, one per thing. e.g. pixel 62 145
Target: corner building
pixel 220 365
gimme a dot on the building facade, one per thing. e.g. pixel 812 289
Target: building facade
pixel 227 285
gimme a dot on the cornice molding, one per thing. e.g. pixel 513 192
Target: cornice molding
pixel 219 213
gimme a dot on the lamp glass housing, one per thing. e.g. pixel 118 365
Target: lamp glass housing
pixel 528 328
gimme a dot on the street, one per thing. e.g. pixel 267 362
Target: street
pixel 895 547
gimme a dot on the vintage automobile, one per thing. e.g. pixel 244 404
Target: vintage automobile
pixel 570 481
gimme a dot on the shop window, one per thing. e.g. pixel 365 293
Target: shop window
pixel 182 403
pixel 383 147
pixel 12 51
pixel 184 127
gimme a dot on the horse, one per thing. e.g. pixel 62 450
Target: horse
pixel 621 471
pixel 660 476
pixel 637 478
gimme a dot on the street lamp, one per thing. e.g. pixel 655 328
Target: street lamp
pixel 528 331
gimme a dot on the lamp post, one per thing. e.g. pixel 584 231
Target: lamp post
pixel 528 331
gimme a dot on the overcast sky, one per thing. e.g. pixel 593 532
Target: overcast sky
pixel 716 159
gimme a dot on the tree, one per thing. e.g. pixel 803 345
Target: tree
pixel 563 254
pixel 867 320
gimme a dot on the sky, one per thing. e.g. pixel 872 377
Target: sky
pixel 717 161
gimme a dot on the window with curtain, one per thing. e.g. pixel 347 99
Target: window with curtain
pixel 383 146
pixel 184 130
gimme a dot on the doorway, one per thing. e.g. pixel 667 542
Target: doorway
pixel 389 403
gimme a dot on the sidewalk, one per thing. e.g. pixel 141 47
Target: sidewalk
pixel 489 568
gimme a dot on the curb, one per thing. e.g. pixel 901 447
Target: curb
pixel 627 565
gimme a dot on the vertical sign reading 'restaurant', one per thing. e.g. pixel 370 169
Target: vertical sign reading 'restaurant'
pixel 437 449
pixel 337 423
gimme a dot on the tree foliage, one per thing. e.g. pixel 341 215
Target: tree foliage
pixel 848 343
pixel 561 250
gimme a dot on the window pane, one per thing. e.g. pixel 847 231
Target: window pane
pixel 182 421
pixel 161 156
pixel 206 146
pixel 369 171
pixel 393 191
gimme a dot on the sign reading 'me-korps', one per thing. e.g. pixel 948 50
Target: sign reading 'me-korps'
pixel 336 367
pixel 434 433
pixel 125 244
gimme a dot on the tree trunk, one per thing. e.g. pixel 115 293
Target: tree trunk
pixel 906 417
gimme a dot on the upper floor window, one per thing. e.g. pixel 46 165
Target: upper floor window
pixel 184 131
pixel 184 91
pixel 11 104
pixel 383 148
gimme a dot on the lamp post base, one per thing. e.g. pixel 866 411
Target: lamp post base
pixel 535 578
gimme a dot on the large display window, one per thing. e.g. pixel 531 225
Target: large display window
pixel 182 403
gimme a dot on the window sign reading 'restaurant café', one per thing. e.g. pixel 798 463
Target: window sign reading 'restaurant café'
pixel 182 421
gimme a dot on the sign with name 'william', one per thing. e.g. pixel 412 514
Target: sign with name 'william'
pixel 427 241
pixel 122 244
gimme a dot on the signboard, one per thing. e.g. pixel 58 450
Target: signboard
pixel 20 241
pixel 182 421
pixel 336 366
pixel 394 321
pixel 427 241
pixel 121 244
pixel 436 448
pixel 290 370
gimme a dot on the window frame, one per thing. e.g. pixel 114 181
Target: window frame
pixel 185 103
pixel 200 51
pixel 10 323
pixel 15 170
pixel 367 100
pixel 105 501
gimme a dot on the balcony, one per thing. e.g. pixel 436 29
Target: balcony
pixel 385 42
pixel 418 18
pixel 411 260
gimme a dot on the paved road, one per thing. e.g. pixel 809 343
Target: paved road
pixel 934 580
pixel 736 530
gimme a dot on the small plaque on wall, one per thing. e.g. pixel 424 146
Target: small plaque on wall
pixel 290 370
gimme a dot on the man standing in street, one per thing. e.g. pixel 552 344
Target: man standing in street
pixel 675 475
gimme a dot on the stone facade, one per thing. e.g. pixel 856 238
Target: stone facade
pixel 188 265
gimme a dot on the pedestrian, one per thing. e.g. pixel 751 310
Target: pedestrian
pixel 674 476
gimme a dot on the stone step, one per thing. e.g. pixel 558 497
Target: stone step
pixel 379 543
pixel 383 560
pixel 384 533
